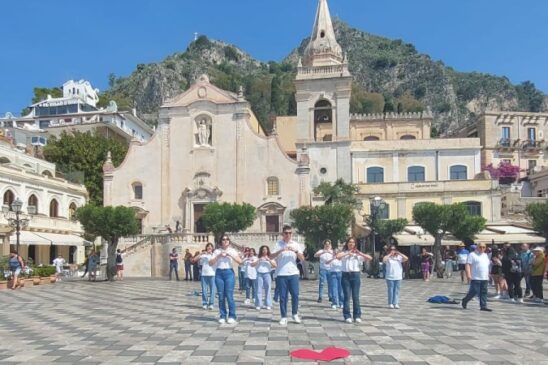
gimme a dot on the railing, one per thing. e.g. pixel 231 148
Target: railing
pixel 531 144
pixel 322 70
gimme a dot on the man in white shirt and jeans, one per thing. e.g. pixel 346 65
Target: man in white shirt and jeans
pixel 477 272
pixel 286 253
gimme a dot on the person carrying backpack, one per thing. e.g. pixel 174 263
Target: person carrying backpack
pixel 512 270
pixel 119 265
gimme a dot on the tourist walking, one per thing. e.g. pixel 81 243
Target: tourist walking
pixel 335 280
pixel 188 265
pixel 462 258
pixel 16 265
pixel 119 265
pixel 174 263
pixel 393 262
pixel 537 274
pixel 286 253
pixel 251 275
pixel 86 266
pixel 93 261
pixel 59 262
pixel 449 259
pixel 526 257
pixel 511 268
pixel 325 255
pixel 477 272
pixel 426 264
pixel 352 260
pixel 195 266
pixel 207 277
pixel 242 269
pixel 501 288
pixel 264 266
pixel 223 258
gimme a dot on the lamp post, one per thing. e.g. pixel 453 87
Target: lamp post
pixel 16 218
pixel 377 204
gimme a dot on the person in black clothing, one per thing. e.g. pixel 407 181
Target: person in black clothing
pixel 174 263
pixel 511 268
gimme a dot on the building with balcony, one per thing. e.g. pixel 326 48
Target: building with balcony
pixel 48 202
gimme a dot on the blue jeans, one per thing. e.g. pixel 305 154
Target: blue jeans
pixel 351 287
pixel 188 271
pixel 264 283
pixel 173 266
pixel 251 286
pixel 241 280
pixel 324 278
pixel 393 291
pixel 479 288
pixel 208 282
pixel 288 284
pixel 224 280
pixel 337 295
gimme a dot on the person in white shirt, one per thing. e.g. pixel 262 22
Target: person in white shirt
pixel 264 266
pixel 59 262
pixel 394 274
pixel 477 272
pixel 325 255
pixel 223 258
pixel 286 253
pixel 207 278
pixel 251 275
pixel 352 260
pixel 335 280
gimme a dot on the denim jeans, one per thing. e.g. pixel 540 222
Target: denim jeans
pixel 188 270
pixel 477 287
pixel 241 280
pixel 224 280
pixel 393 291
pixel 324 278
pixel 337 295
pixel 174 266
pixel 208 282
pixel 251 286
pixel 264 283
pixel 288 284
pixel 351 288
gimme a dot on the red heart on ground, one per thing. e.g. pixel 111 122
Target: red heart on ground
pixel 328 354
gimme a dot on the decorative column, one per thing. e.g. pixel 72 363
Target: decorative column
pixel 108 168
pixel 303 171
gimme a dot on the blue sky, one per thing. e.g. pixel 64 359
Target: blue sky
pixel 44 43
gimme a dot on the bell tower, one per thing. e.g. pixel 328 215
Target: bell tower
pixel 323 87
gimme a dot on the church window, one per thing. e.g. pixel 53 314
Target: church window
pixel 371 138
pixel 408 136
pixel 415 173
pixel 9 197
pixel 323 171
pixel 323 115
pixel 137 191
pixel 72 211
pixel 54 208
pixel 375 175
pixel 458 172
pixel 273 186
pixel 33 201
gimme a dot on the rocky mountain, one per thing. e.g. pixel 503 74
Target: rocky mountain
pixel 389 75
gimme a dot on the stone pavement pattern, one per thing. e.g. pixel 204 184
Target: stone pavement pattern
pixel 162 322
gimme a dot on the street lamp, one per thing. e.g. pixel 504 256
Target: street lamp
pixel 377 204
pixel 16 218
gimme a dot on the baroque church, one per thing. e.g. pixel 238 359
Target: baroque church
pixel 210 147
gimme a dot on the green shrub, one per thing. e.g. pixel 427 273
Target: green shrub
pixel 43 271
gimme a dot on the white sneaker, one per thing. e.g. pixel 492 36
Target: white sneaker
pixel 333 306
pixel 283 321
pixel 268 308
pixel 520 300
pixel 222 321
pixel 496 296
pixel 210 307
pixel 348 320
pixel 396 306
pixel 231 321
pixel 296 318
pixel 258 308
pixel 204 306
pixel 391 306
pixel 358 320
pixel 247 301
pixel 341 306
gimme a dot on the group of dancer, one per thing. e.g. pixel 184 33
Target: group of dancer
pixel 339 269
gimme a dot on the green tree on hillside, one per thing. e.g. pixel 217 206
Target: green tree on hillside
pixel 85 152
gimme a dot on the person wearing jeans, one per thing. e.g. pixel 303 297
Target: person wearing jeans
pixel 251 278
pixel 325 255
pixel 264 267
pixel 225 278
pixel 394 275
pixel 335 279
pixel 174 263
pixel 286 253
pixel 188 265
pixel 538 268
pixel 477 272
pixel 207 278
pixel 352 260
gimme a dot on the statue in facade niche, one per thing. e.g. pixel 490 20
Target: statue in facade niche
pixel 203 133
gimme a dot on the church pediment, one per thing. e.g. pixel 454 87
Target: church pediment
pixel 203 90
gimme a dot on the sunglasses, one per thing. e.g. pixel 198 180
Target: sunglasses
pixel 225 239
pixel 288 233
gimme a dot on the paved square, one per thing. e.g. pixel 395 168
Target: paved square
pixel 162 322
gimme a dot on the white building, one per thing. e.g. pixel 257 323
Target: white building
pixel 52 229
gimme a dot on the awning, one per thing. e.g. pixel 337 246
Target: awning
pixel 46 239
pixel 499 239
pixel 422 240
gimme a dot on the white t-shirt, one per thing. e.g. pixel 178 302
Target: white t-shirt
pixel 479 265
pixel 287 260
pixel 207 270
pixel 352 263
pixel 224 262
pixel 335 266
pixel 462 256
pixel 394 269
pixel 59 263
pixel 250 270
pixel 264 266
pixel 324 257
